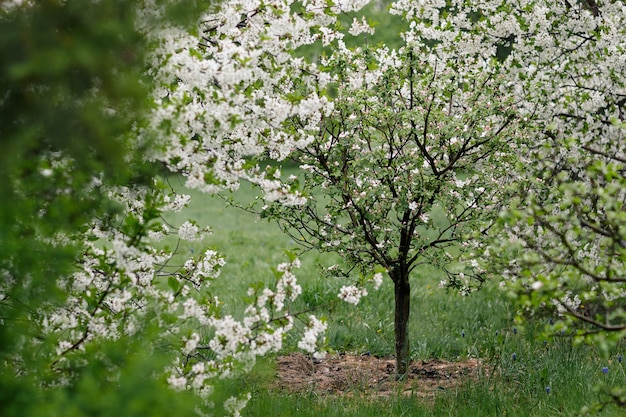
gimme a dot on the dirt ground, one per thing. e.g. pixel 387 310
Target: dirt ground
pixel 352 374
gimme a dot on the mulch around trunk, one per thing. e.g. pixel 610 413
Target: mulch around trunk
pixel 346 374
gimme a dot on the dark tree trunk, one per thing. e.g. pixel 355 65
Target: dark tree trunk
pixel 402 289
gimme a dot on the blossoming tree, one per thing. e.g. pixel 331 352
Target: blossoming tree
pixel 405 170
pixel 564 60
pixel 428 130
pixel 410 135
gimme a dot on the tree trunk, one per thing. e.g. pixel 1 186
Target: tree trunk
pixel 403 303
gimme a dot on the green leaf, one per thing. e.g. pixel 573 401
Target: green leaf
pixel 173 283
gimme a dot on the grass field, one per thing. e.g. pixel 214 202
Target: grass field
pixel 518 363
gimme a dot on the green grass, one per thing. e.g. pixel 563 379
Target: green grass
pixel 514 388
pixel 443 325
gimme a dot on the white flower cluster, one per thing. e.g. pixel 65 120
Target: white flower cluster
pixel 236 343
pixel 119 284
pixel 158 233
pixel 210 266
pixel 352 294
pixel 234 405
pixel 8 5
pixel 206 100
pixel 377 278
pixel 567 302
pixel 190 231
pixel 312 333
pixel 360 26
pixel 287 287
pixel 231 336
pixel 180 201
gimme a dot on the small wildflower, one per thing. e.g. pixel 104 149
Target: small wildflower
pixel 605 370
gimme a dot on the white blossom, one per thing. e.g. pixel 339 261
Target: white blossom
pixel 311 335
pixel 360 26
pixel 378 280
pixel 190 231
pixel 234 405
pixel 191 343
pixel 352 294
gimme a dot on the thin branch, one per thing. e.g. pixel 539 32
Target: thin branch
pixel 608 327
pixel 606 155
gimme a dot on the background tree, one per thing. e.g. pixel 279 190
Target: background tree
pixel 567 227
pixel 562 69
pixel 565 230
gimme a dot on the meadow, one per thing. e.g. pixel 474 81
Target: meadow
pixel 521 373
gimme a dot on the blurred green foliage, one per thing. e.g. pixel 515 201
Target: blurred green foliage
pixel 134 393
pixel 72 96
pixel 71 85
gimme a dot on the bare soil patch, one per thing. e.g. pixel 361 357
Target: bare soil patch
pixel 352 374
